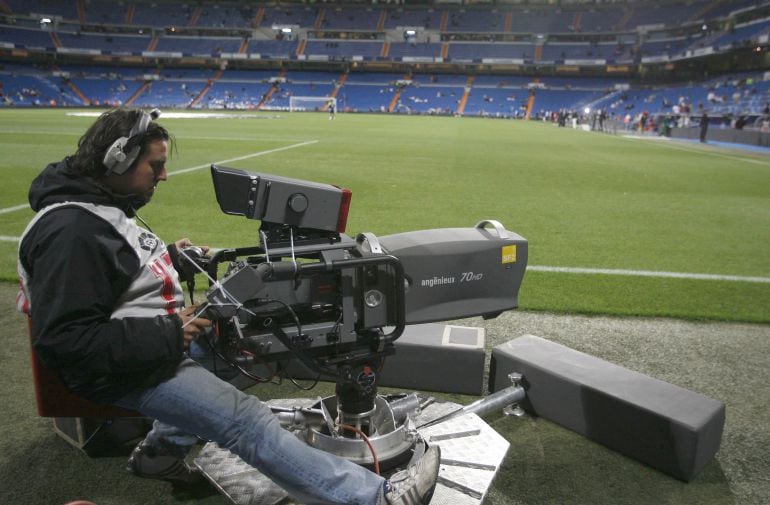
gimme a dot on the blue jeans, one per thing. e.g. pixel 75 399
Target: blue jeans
pixel 195 401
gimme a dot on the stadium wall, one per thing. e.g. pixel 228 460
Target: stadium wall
pixel 731 135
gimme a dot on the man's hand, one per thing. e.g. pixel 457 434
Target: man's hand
pixel 193 326
pixel 186 242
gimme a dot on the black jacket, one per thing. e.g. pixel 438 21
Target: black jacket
pixel 77 268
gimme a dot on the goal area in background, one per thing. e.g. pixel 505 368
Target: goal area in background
pixel 311 103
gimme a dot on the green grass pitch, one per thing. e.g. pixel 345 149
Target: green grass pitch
pixel 582 199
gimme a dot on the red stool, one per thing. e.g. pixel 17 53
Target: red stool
pixel 94 428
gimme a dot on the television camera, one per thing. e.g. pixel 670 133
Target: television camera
pixel 311 301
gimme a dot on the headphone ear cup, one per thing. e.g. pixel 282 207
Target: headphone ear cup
pixel 115 155
pixel 116 159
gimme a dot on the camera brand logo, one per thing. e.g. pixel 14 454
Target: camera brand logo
pixel 437 281
pixel 509 254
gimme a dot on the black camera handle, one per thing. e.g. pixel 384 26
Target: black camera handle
pixel 384 259
pixel 298 269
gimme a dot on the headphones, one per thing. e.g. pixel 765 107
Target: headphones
pixel 116 159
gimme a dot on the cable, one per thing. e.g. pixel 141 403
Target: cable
pixel 143 222
pixel 293 259
pixel 264 245
pixel 368 443
pixel 268 301
pixel 238 367
pixel 305 388
pixel 293 351
pixel 239 306
pixel 235 302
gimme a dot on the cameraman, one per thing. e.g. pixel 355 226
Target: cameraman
pixel 106 307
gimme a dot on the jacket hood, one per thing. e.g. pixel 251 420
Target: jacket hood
pixel 60 182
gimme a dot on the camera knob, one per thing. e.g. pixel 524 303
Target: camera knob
pixel 298 202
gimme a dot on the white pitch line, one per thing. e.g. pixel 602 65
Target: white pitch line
pixel 650 273
pixel 696 148
pixel 199 167
pixel 14 208
pixel 605 271
pixel 240 158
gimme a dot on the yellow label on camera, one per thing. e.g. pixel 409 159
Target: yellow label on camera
pixel 509 254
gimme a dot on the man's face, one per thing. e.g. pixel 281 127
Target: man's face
pixel 149 169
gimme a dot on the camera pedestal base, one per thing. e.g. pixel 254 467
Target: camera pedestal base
pixel 471 455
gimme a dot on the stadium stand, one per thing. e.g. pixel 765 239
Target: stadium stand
pixel 429 99
pixel 669 15
pixel 721 9
pixel 491 51
pixel 428 19
pixel 497 61
pixel 145 14
pixel 366 97
pixel 109 13
pixel 505 102
pixel 542 21
pixel 742 35
pixel 405 51
pixel 170 93
pixel 191 46
pixel 272 49
pixel 94 43
pixel 351 50
pixel 64 10
pixel 234 94
pixel 221 16
pixel 600 20
pixel 289 15
pixel 349 18
pixel 35 91
pixel 28 38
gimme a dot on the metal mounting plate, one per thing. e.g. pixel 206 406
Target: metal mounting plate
pixel 471 455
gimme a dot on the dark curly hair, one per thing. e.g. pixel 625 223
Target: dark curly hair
pixel 110 126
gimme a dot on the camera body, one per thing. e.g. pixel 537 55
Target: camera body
pixel 310 292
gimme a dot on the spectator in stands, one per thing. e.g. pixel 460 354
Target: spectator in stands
pixel 764 126
pixel 686 109
pixel 106 309
pixel 643 121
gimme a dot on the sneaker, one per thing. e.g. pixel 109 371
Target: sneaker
pixel 153 463
pixel 415 485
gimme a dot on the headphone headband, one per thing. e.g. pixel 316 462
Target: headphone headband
pixel 116 159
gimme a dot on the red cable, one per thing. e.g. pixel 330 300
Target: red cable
pixel 365 439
